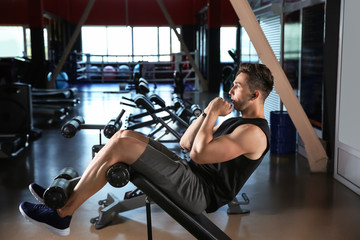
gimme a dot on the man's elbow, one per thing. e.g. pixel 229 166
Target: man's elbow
pixel 185 145
pixel 196 157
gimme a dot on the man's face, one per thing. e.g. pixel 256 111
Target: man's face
pixel 240 92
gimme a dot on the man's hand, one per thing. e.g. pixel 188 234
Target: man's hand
pixel 219 106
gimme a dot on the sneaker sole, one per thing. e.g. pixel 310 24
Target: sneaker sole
pixel 64 232
pixel 37 197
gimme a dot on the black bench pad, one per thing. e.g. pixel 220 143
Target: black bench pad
pixel 198 225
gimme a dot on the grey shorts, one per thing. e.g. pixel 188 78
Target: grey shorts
pixel 172 175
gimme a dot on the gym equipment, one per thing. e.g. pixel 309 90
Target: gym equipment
pixel 146 103
pixel 53 105
pixel 183 111
pixel 235 208
pixel 229 72
pixel 15 118
pixel 57 194
pixel 159 101
pixel 113 125
pixel 196 110
pixel 143 87
pixel 62 80
pixel 124 71
pixel 15 108
pixel 51 112
pixel 177 100
pixel 179 83
pixel 94 73
pixel 68 93
pixel 109 72
pixel 118 175
pixel 70 128
pixel 139 84
pixel 198 225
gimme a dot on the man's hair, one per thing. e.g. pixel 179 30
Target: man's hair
pixel 260 77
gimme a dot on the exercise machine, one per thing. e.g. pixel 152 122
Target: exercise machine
pixel 197 224
pixel 143 102
pixel 53 105
pixel 118 176
pixel 15 118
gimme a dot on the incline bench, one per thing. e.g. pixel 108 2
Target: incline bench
pixel 198 225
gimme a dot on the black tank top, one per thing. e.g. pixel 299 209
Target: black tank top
pixel 223 181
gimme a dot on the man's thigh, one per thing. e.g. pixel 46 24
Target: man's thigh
pixel 174 177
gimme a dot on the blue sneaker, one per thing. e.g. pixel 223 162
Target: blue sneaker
pixel 44 216
pixel 37 191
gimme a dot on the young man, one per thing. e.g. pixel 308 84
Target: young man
pixel 222 157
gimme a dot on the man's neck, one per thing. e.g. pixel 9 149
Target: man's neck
pixel 253 113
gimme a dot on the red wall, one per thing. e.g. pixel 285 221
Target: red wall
pixel 112 12
pixel 14 12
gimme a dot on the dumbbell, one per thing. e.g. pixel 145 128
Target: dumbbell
pixel 113 125
pixel 196 110
pixel 118 175
pixel 192 118
pixel 178 102
pixel 59 191
pixel 70 128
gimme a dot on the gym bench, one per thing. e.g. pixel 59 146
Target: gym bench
pixel 198 225
pixel 57 194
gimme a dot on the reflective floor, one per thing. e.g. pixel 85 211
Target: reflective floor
pixel 286 200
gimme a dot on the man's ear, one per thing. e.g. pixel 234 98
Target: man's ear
pixel 255 94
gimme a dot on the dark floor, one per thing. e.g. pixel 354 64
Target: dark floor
pixel 286 200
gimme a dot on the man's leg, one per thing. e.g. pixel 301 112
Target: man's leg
pixel 38 191
pixel 124 146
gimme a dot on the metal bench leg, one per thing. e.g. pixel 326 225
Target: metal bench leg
pixel 148 218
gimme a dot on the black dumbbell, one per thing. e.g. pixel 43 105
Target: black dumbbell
pixel 57 194
pixel 113 125
pixel 72 126
pixel 118 175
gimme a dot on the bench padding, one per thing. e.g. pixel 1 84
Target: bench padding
pixel 198 225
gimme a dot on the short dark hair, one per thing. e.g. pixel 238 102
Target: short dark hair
pixel 260 77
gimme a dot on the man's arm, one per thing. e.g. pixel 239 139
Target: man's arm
pixel 246 139
pixel 187 138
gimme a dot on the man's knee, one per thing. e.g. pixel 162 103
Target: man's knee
pixel 126 149
pixel 122 133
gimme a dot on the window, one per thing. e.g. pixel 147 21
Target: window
pixel 119 43
pixel 94 41
pixel 145 43
pixel 227 42
pixel 12 42
pixel 175 43
pixel 248 52
pixel 129 44
pixel 165 34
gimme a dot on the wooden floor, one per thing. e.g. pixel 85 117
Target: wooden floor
pixel 287 202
